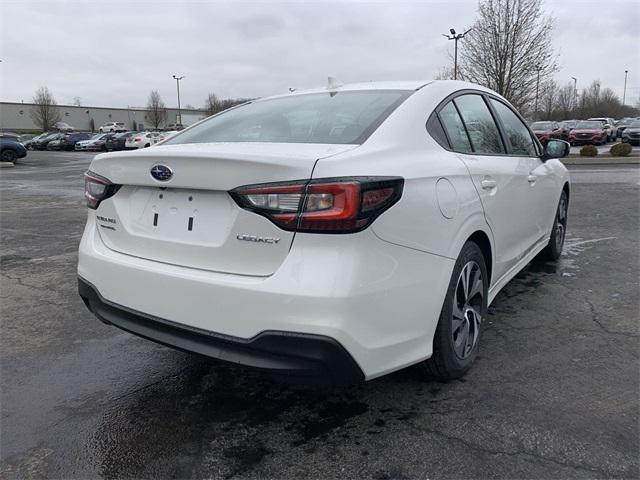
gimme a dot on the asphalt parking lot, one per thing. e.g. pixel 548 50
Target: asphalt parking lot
pixel 554 394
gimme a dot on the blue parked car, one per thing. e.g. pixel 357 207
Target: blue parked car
pixel 11 150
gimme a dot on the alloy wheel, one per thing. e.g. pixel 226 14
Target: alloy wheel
pixel 561 222
pixel 468 302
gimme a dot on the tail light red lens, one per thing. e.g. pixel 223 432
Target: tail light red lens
pixel 332 205
pixel 97 188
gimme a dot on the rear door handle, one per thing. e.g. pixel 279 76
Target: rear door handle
pixel 488 184
pixel 532 178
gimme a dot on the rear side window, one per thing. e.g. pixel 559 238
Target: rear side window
pixel 454 127
pixel 483 131
pixel 333 118
pixel 517 132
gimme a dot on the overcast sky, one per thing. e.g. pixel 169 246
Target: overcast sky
pixel 113 53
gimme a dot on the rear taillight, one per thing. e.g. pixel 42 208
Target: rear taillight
pixel 97 188
pixel 330 205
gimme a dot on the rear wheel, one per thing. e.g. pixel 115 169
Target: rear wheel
pixel 9 156
pixel 457 337
pixel 554 249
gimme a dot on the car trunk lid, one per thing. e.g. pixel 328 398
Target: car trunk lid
pixel 190 220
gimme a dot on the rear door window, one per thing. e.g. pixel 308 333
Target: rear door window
pixel 517 132
pixel 483 131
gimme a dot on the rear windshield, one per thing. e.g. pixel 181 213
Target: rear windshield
pixel 589 125
pixel 332 117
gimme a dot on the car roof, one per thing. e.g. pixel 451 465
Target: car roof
pixel 440 88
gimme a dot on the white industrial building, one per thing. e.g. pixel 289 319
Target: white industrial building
pixel 15 117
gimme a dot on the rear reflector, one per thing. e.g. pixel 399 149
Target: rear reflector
pixel 331 205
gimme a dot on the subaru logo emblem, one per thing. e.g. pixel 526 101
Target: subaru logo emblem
pixel 162 173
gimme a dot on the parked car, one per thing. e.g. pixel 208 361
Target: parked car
pixel 68 142
pixel 54 144
pixel 11 150
pixel 623 124
pixel 63 127
pixel 9 136
pixel 112 127
pixel 117 141
pixel 344 242
pixel 609 126
pixel 142 140
pixel 100 144
pixel 95 143
pixel 566 126
pixel 587 131
pixel 175 126
pixel 631 134
pixel 41 143
pixel 30 144
pixel 26 137
pixel 166 135
pixel 546 130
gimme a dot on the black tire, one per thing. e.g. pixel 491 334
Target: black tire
pixel 147 145
pixel 9 156
pixel 556 241
pixel 446 362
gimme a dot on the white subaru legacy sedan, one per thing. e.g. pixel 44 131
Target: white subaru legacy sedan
pixel 338 234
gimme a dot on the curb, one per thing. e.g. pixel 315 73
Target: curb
pixel 6 164
pixel 601 160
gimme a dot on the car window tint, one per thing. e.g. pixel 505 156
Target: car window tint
pixel 454 127
pixel 483 132
pixel 517 132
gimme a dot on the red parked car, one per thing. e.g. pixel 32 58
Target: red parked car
pixel 546 130
pixel 588 132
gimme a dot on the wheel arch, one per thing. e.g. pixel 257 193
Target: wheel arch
pixel 481 239
pixel 476 229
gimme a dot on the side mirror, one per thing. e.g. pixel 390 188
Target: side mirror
pixel 606 125
pixel 555 149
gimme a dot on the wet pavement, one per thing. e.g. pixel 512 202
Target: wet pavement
pixel 555 391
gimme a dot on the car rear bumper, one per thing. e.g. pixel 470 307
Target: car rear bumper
pixel 379 301
pixel 298 355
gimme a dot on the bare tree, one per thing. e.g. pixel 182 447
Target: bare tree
pixel 565 102
pixel 44 112
pixel 549 98
pixel 445 73
pixel 214 104
pixel 508 41
pixel 156 111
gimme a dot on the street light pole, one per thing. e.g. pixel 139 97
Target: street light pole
pixel 624 93
pixel 535 109
pixel 179 119
pixel 575 92
pixel 455 37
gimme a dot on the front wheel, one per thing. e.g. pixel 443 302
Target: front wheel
pixel 9 156
pixel 554 249
pixel 457 338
